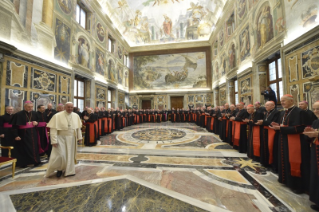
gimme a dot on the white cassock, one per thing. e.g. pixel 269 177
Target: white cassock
pixel 65 130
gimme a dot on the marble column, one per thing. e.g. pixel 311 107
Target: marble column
pixel 116 104
pixel 46 37
pixel 47 12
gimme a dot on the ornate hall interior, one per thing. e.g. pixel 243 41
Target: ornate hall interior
pixel 157 55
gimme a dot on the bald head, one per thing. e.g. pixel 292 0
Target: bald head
pixel 270 105
pixel 315 108
pixel 49 106
pixel 287 101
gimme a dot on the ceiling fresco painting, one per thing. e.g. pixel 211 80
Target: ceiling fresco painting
pixel 163 21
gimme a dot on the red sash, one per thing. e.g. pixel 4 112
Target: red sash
pixel 123 121
pixel 105 125
pixel 256 140
pixel 206 119
pixel 294 147
pixel 271 139
pixel 227 123
pixel 92 135
pixel 7 125
pixel 97 128
pixel 212 123
pixel 100 127
pixel 26 126
pixel 109 120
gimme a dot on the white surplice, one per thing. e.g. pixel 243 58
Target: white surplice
pixel 65 130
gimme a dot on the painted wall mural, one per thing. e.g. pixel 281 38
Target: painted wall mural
pixel 65 5
pixel 159 21
pixel 232 56
pixel 301 16
pixel 62 37
pixel 99 62
pixel 100 31
pixel 112 75
pixel 120 74
pixel 170 71
pixel 83 51
pixel 244 41
pixel 264 22
pixel 241 9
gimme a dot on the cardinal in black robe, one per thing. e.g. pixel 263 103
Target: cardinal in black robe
pixel 313 133
pixel 42 130
pixel 269 138
pixel 224 123
pixel 6 135
pixel 216 115
pixel 91 129
pixel 240 129
pixel 49 112
pixel 293 149
pixel 229 130
pixel 26 136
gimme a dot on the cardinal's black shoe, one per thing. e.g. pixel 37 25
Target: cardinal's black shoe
pixel 59 174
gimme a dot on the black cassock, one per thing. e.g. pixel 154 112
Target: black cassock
pixel 216 122
pixel 173 116
pixel 27 148
pixel 268 156
pixel 50 114
pixel 209 120
pixel 91 130
pixel 241 115
pixel 118 120
pixel 178 116
pixel 294 168
pixel 159 116
pixel 202 118
pixel 230 127
pixel 43 133
pixel 314 170
pixel 8 140
pixel 198 114
pixel 101 116
pixel 223 125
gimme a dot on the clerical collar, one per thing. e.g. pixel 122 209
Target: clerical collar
pixel 27 111
pixel 9 114
pixel 290 107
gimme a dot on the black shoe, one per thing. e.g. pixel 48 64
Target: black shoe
pixel 314 207
pixel 23 166
pixel 37 164
pixel 59 173
pixel 297 191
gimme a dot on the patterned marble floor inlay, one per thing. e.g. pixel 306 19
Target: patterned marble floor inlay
pixel 117 195
pixel 152 167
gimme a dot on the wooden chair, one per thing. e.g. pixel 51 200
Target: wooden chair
pixel 6 160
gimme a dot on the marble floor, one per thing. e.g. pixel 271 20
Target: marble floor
pixel 152 167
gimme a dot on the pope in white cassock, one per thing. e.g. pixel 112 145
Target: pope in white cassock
pixel 65 131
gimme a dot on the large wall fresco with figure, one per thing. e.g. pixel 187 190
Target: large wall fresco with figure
pixel 170 71
pixel 153 21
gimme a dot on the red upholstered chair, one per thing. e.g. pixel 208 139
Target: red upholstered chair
pixel 6 160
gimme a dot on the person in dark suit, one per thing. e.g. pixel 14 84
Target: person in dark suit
pixel 269 95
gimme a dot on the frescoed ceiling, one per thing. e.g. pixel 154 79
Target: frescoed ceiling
pixel 143 22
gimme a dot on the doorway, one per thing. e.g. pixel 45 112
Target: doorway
pixel 146 104
pixel 177 102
